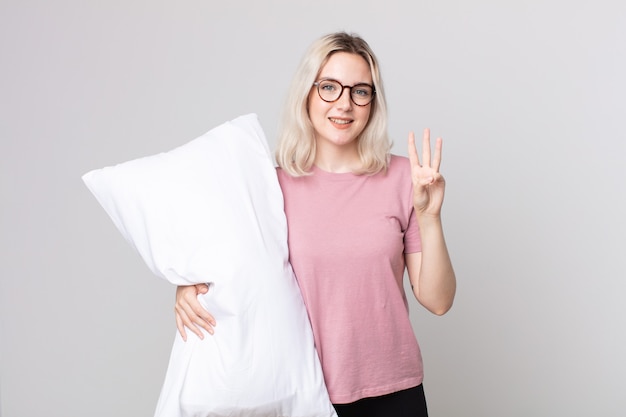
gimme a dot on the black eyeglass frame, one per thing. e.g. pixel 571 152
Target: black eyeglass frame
pixel 343 87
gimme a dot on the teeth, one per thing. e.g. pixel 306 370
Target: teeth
pixel 340 122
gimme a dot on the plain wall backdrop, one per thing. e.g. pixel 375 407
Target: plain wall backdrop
pixel 528 96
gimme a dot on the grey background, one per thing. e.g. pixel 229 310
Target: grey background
pixel 528 95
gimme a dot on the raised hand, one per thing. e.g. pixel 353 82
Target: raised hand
pixel 428 184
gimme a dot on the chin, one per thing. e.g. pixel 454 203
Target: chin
pixel 342 141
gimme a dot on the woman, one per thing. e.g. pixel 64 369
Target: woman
pixel 357 217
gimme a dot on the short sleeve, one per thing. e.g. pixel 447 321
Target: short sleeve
pixel 412 240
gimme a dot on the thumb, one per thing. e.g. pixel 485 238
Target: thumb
pixel 202 288
pixel 422 182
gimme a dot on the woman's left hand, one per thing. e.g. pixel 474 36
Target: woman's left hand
pixel 428 184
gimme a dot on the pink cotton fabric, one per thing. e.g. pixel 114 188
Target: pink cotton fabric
pixel 347 238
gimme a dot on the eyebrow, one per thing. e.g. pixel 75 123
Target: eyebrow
pixel 341 82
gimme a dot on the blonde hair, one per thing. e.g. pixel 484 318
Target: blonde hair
pixel 296 148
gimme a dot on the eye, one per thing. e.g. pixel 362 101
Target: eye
pixel 362 90
pixel 328 86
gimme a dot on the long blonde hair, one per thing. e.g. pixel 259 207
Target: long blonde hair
pixel 296 148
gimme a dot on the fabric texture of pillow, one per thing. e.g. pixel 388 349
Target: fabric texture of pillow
pixel 212 211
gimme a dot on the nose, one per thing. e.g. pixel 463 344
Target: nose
pixel 344 100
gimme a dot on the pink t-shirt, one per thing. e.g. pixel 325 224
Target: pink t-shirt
pixel 347 238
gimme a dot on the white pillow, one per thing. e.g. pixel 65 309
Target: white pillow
pixel 212 211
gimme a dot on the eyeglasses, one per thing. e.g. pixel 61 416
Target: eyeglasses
pixel 330 91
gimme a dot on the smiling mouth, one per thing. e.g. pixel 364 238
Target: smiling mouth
pixel 340 121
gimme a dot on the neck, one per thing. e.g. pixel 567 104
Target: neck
pixel 337 159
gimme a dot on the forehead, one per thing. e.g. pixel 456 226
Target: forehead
pixel 347 68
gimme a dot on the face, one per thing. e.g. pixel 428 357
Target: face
pixel 341 122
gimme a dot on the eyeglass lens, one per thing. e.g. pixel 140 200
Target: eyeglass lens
pixel 331 90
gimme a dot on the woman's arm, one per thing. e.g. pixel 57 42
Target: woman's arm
pixel 431 274
pixel 190 313
pixel 430 271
